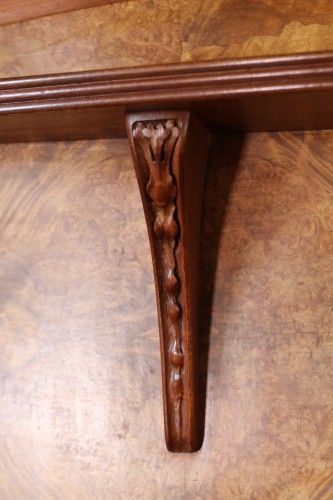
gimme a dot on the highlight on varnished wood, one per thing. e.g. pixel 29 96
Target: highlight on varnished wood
pixel 158 84
pixel 169 150
pixel 272 93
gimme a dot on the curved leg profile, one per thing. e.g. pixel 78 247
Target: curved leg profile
pixel 169 151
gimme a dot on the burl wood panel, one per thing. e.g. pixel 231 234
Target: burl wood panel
pixel 140 32
pixel 13 11
pixel 226 28
pixel 81 406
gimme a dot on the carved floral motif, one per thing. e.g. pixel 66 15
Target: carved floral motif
pixel 158 143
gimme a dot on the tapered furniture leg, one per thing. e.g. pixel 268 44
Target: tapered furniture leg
pixel 169 151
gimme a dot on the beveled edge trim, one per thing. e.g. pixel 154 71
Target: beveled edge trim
pixel 182 82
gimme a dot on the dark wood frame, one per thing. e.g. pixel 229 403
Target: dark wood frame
pixel 170 112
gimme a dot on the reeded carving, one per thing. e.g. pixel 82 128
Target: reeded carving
pixel 158 142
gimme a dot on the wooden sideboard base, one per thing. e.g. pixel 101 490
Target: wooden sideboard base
pixel 169 151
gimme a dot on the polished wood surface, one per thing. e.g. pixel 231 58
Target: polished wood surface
pixel 249 89
pixel 257 94
pixel 171 194
pixel 81 406
pixel 13 11
pixel 71 427
pixel 230 28
pixel 170 151
pixel 141 32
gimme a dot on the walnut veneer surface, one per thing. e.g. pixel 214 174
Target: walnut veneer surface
pixel 140 32
pixel 20 10
pixel 81 408
pixel 81 403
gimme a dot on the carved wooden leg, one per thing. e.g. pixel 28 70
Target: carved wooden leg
pixel 169 151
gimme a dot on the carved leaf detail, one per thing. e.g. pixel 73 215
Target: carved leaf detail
pixel 157 141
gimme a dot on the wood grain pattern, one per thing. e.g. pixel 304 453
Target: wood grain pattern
pixel 81 409
pixel 13 11
pixel 141 32
pixel 169 151
pixel 273 303
pixel 229 28
pixel 124 34
pixel 69 428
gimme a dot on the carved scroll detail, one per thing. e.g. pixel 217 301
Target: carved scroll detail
pixel 158 142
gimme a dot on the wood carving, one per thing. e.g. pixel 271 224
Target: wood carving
pixel 169 149
pixel 158 143
pixel 169 152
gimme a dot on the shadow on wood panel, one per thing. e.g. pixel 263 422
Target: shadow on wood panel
pixel 223 164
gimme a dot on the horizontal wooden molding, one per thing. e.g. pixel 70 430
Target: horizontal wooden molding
pixel 232 94
pixel 176 82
